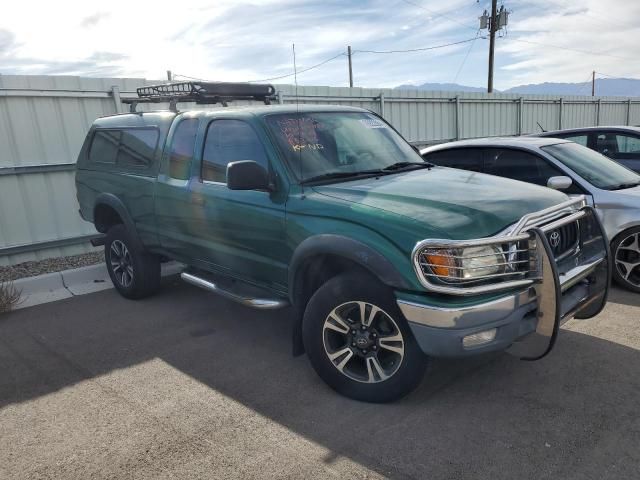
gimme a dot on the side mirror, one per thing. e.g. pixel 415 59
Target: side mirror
pixel 559 183
pixel 247 175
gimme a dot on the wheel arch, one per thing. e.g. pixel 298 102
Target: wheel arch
pixel 109 210
pixel 319 258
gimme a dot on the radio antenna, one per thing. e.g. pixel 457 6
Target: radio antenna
pixel 295 81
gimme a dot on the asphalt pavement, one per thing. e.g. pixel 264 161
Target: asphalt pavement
pixel 189 385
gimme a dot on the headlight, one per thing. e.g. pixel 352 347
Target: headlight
pixel 480 261
pixel 469 263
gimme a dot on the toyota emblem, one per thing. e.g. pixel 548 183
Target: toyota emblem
pixel 554 239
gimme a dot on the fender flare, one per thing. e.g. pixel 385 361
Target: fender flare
pixel 347 248
pixel 114 202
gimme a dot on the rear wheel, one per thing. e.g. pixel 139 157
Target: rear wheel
pixel 359 342
pixel 626 253
pixel 134 272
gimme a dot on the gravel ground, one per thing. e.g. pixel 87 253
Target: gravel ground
pixel 38 267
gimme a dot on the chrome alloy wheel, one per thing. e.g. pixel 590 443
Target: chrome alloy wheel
pixel 121 263
pixel 627 258
pixel 363 342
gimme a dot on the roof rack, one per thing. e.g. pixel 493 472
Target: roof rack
pixel 203 93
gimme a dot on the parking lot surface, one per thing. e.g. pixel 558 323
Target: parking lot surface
pixel 189 385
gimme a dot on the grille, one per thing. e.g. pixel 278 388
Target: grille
pixel 563 240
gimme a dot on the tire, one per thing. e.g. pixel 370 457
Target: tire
pixel 625 250
pixel 141 269
pixel 332 316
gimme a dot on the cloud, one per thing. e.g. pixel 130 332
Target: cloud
pixel 93 19
pixel 233 40
pixel 7 42
pixel 558 42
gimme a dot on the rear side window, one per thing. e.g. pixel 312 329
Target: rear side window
pixel 229 141
pixel 127 147
pixel 463 158
pixel 579 139
pixel 627 143
pixel 137 147
pixel 182 145
pixel 104 146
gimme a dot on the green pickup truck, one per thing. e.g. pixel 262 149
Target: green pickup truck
pixel 380 259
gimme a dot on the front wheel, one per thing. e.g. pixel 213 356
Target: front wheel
pixel 358 341
pixel 626 254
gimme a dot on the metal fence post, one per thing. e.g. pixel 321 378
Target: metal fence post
pixel 560 114
pixel 520 114
pixel 457 117
pixel 598 112
pixel 629 112
pixel 115 93
pixel 279 97
pixel 381 99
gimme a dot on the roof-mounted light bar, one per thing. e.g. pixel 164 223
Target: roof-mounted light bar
pixel 203 93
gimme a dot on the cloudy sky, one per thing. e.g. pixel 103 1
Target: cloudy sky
pixel 546 40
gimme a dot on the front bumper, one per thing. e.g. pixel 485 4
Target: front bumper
pixel 526 321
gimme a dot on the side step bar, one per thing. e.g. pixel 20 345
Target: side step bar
pixel 243 298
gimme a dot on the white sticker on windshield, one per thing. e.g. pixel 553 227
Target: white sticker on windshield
pixel 372 123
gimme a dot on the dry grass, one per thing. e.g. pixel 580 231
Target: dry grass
pixel 9 296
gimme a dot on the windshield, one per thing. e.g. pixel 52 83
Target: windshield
pixel 338 144
pixel 595 168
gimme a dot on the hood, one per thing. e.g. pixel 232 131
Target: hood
pixel 460 203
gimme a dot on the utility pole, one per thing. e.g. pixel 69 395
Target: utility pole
pixel 593 83
pixel 493 22
pixel 350 67
pixel 492 43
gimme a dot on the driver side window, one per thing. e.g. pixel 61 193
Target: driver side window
pixel 523 166
pixel 230 141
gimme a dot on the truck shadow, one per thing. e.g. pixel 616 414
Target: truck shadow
pixel 624 297
pixel 575 411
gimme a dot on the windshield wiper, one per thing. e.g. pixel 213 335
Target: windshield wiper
pixel 378 171
pixel 621 186
pixel 406 165
pixel 338 175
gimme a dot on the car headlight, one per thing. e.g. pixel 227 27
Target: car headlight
pixel 465 263
pixel 480 261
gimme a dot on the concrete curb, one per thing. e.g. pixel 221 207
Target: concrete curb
pixel 51 287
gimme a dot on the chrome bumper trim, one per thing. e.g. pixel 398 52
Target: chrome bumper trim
pixel 441 317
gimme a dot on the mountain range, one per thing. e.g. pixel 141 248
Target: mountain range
pixel 616 87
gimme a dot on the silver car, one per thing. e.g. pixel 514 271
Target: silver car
pixel 619 143
pixel 611 188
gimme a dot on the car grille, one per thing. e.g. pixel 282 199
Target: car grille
pixel 563 240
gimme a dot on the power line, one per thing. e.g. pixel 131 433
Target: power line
pixel 584 84
pixel 584 52
pixel 616 77
pixel 421 49
pixel 299 71
pixel 188 77
pixel 464 60
pixel 341 54
pixel 438 14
